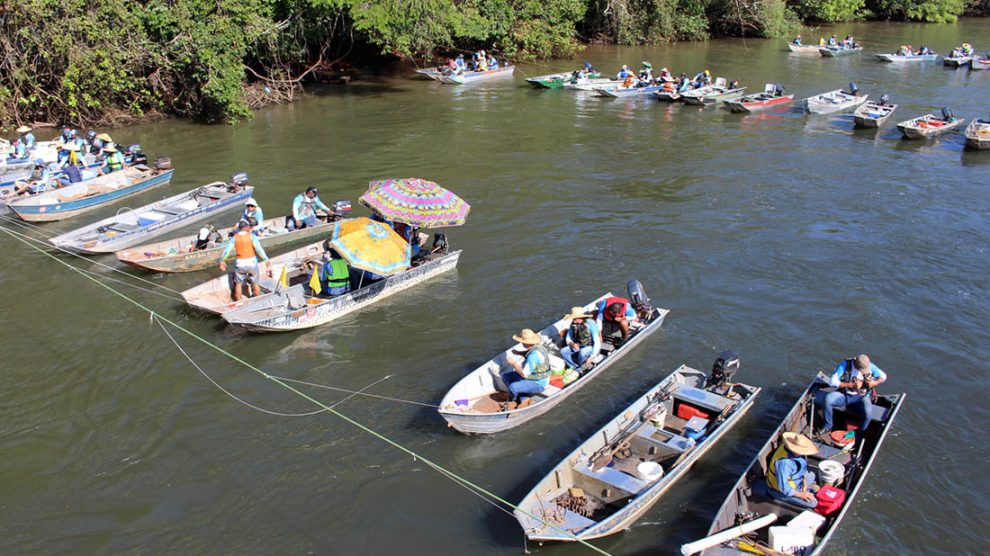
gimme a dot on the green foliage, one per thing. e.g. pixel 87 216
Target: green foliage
pixel 933 11
pixel 831 11
pixel 775 19
pixel 647 21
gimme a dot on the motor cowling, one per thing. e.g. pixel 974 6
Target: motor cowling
pixel 340 209
pixel 240 179
pixel 947 114
pixel 884 99
pixel 726 365
pixel 639 300
pixel 854 89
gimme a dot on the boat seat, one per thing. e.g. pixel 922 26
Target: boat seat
pixel 613 478
pixel 548 391
pixel 575 522
pixel 170 210
pixel 122 227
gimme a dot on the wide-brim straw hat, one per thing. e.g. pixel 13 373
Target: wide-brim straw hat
pixel 104 137
pixel 110 148
pixel 23 129
pixel 527 337
pixel 799 444
pixel 577 313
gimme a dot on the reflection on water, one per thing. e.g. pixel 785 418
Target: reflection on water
pixel 788 237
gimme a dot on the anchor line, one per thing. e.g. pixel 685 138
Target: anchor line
pixel 478 489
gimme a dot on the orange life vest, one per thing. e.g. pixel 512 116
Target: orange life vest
pixel 244 245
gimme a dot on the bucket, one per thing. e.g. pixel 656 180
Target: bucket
pixel 831 471
pixel 649 471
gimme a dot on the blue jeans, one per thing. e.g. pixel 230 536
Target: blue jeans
pixel 859 404
pixel 576 358
pixel 777 495
pixel 308 222
pixel 519 386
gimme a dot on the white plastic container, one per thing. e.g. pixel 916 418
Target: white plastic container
pixel 649 471
pixel 808 519
pixel 791 539
pixel 831 472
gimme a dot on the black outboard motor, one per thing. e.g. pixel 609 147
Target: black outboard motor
pixel 440 244
pixel 641 303
pixel 136 155
pixel 725 366
pixel 778 90
pixel 854 89
pixel 947 114
pixel 884 99
pixel 238 180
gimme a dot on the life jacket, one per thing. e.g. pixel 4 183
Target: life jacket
pixel 543 370
pixel 668 87
pixel 244 246
pixel 848 375
pixel 629 82
pixel 115 162
pixel 336 274
pixel 581 334
pixel 623 302
pixel 772 480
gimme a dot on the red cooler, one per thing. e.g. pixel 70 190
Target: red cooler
pixel 830 499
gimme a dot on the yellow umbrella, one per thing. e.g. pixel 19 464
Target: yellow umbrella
pixel 371 246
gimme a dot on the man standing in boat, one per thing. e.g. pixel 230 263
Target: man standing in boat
pixel 788 476
pixel 304 208
pixel 532 374
pixel 247 249
pixel 854 380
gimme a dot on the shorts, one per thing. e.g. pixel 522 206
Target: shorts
pixel 241 274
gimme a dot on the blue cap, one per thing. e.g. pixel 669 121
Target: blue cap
pixel 587 65
pixel 39 162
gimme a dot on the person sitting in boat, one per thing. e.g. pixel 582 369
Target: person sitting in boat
pixel 967 49
pixel 613 316
pixel 38 181
pixel 788 477
pixel 854 380
pixel 832 41
pixel 665 76
pixel 924 50
pixel 304 208
pixel 624 73
pixel 70 174
pixel 24 143
pixel 706 78
pixel 821 41
pixel 531 373
pixel 904 50
pixel 683 83
pixel 797 40
pixel 583 338
pixel 114 161
pixel 206 236
pixel 335 275
pixel 252 210
pixel 587 70
pixel 492 63
pixel 461 65
pixel 645 76
pixel 734 84
pixel 482 63
pixel 246 249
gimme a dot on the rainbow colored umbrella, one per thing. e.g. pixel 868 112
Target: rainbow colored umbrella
pixel 416 202
pixel 371 246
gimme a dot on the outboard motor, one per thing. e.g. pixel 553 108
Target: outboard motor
pixel 726 365
pixel 136 154
pixel 440 244
pixel 778 90
pixel 239 180
pixel 947 114
pixel 163 163
pixel 854 89
pixel 640 302
pixel 884 99
pixel 339 210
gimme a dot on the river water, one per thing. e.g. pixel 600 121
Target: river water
pixel 787 237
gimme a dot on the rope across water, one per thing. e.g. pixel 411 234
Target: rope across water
pixel 474 487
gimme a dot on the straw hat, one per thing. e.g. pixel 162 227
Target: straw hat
pixel 23 129
pixel 104 137
pixel 799 444
pixel 527 337
pixel 577 313
pixel 110 148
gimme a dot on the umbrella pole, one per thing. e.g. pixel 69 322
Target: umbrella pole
pixel 361 279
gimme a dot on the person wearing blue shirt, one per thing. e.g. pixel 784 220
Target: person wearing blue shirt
pixel 583 338
pixel 38 181
pixel 304 208
pixel 70 175
pixel 26 137
pixel 531 374
pixel 246 249
pixel 853 380
pixel 788 477
pixel 624 72
pixel 114 161
pixel 252 210
pixel 335 275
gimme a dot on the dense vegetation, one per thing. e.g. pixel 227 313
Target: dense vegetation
pixel 111 61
